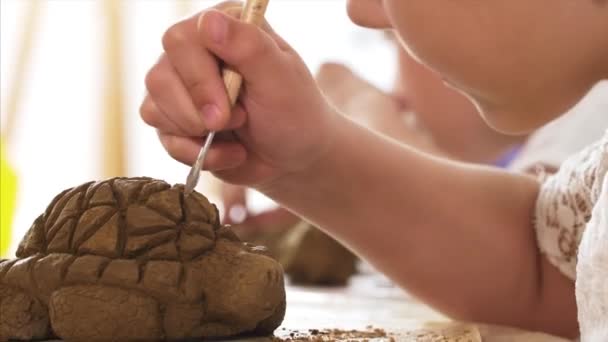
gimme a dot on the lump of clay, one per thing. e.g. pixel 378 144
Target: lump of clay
pixel 312 257
pixel 135 259
pixel 308 255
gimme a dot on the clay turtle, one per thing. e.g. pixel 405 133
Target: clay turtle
pixel 135 259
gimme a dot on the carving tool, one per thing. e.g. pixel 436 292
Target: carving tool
pixel 252 13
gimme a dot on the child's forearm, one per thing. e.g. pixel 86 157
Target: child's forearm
pixel 459 237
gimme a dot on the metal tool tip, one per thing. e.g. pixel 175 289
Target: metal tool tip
pixel 192 180
pixel 195 171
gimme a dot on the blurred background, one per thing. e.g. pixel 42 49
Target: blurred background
pixel 72 74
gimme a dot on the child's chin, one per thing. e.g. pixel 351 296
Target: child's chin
pixel 511 122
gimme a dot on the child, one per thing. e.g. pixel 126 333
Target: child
pixel 460 237
pixel 421 111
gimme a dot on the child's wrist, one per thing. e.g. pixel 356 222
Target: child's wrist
pixel 315 169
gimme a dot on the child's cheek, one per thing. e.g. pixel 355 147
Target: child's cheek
pixel 446 42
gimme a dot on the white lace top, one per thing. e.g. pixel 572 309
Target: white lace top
pixel 572 231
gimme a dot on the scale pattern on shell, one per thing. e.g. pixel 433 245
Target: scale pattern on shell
pixel 133 258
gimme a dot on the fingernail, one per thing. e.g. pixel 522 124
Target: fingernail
pixel 210 114
pixel 217 26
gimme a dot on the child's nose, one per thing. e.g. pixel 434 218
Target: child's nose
pixel 368 13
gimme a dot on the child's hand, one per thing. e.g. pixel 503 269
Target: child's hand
pixel 281 122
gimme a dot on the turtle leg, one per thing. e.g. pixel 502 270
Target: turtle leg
pixel 268 326
pixel 181 321
pixel 216 330
pixel 98 312
pixel 22 316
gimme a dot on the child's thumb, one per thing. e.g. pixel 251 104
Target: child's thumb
pixel 244 47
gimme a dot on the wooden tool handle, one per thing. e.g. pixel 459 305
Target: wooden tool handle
pixel 253 13
pixel 114 143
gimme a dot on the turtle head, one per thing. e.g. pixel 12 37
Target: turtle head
pixel 242 285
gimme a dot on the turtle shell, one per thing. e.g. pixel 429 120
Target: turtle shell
pixel 137 218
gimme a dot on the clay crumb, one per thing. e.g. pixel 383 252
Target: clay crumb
pixel 335 335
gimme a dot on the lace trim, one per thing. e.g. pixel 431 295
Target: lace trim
pixel 565 204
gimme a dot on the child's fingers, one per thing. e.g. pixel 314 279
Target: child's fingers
pixel 225 155
pixel 199 72
pixel 171 97
pixel 153 116
pixel 245 47
pixel 235 12
pixel 221 156
pixel 180 148
pixel 238 118
pixel 272 220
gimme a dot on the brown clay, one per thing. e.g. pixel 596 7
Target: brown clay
pixel 308 255
pixel 134 259
pixel 335 335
